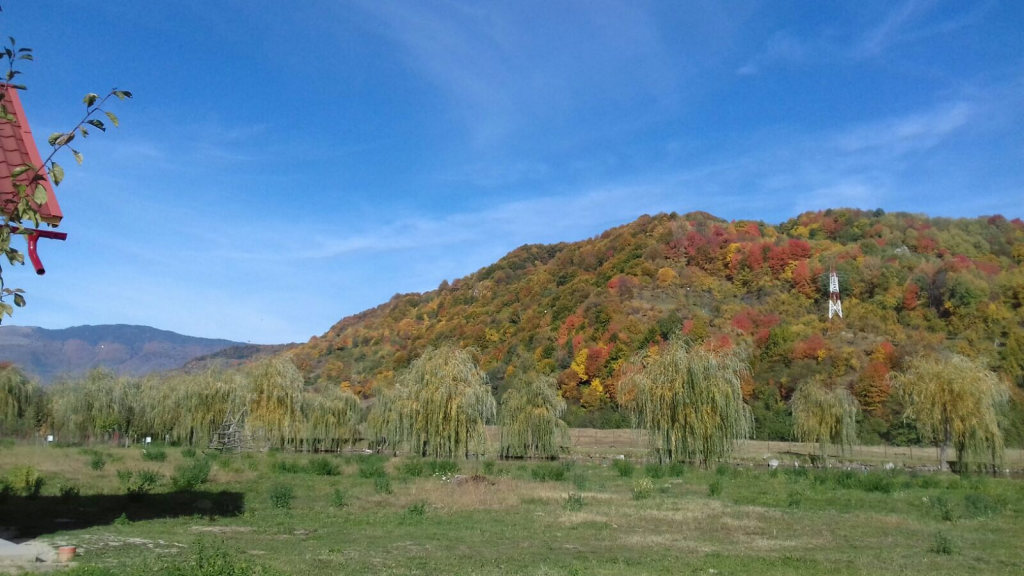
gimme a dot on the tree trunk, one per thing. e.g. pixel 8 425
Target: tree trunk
pixel 943 462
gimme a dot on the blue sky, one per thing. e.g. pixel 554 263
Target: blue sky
pixel 285 164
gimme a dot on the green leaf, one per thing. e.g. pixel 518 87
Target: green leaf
pixel 26 57
pixel 39 197
pixel 11 38
pixel 97 124
pixel 19 300
pixel 113 118
pixel 85 133
pixel 78 156
pixel 54 138
pixel 57 173
pixel 122 94
pixel 6 308
pixel 90 99
pixel 19 170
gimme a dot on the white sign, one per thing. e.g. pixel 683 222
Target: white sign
pixel 149 439
pixel 49 437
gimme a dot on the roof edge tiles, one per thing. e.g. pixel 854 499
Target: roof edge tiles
pixel 18 147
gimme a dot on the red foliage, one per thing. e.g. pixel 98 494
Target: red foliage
pixel 687 326
pixel 751 318
pixel 761 337
pixel 568 327
pixel 809 348
pixel 799 249
pixel 910 296
pixel 755 257
pixel 577 342
pixel 778 259
pixel 802 281
pixel 596 357
pixel 720 342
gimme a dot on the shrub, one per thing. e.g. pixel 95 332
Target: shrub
pixel 207 558
pixel 574 502
pixel 877 482
pixel 723 470
pixel 286 467
pixel 188 452
pixel 417 510
pixel 281 496
pixel 927 481
pixel 382 484
pixel 654 470
pixel 945 508
pixel 191 474
pixel 488 467
pixel 942 545
pixel 97 462
pixel 548 472
pixel 677 469
pixel 413 468
pixel 322 466
pixel 794 498
pixel 978 505
pixel 6 489
pixel 154 454
pixel 26 481
pixel 579 480
pixel 625 468
pixel 715 487
pixel 122 520
pixel 643 488
pixel 371 470
pixel 339 499
pixel 68 491
pixel 443 467
pixel 138 483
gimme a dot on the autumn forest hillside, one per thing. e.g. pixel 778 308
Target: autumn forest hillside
pixel 579 310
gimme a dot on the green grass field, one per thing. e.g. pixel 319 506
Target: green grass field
pixel 511 518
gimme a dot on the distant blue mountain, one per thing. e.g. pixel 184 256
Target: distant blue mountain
pixel 125 349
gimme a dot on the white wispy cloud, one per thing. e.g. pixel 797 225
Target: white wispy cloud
pixel 909 22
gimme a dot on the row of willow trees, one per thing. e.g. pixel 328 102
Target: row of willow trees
pixel 688 400
pixel 267 399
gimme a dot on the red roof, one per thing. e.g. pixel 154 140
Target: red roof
pixel 16 148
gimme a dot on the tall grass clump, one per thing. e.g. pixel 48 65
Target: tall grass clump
pixel 573 502
pixel 715 488
pixel 689 400
pixel 281 496
pixel 322 466
pixel 154 454
pixel 624 468
pixel 382 485
pixel 437 407
pixel 643 488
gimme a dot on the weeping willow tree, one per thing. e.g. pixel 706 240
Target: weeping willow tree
pixel 98 405
pixel 17 401
pixel 824 415
pixel 689 400
pixel 273 399
pixel 955 401
pixel 329 420
pixel 189 407
pixel 530 419
pixel 437 407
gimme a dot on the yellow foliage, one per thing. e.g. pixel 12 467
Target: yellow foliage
pixel 579 365
pixel 667 276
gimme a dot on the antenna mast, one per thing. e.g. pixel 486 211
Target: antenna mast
pixel 835 306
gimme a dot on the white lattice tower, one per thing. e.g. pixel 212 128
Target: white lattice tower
pixel 835 306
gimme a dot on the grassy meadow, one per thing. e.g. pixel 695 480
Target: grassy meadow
pixel 368 514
